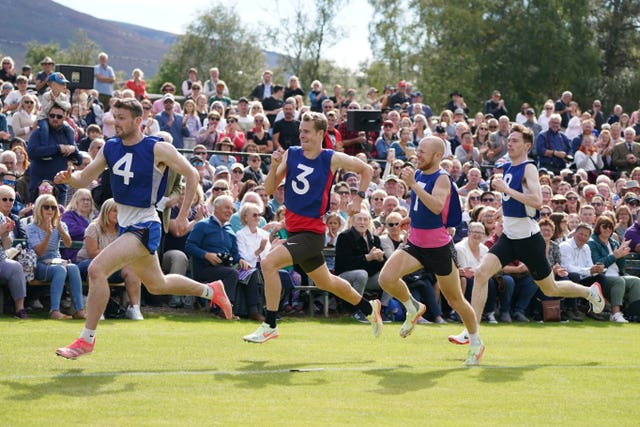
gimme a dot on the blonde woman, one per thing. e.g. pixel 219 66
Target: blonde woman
pixel 43 236
pixel 101 232
pixel 77 216
pixel 190 119
pixel 24 120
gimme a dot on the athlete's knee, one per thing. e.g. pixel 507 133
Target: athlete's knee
pixel 387 278
pixel 96 273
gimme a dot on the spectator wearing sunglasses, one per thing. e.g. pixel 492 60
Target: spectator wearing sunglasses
pixel 51 152
pixel 11 271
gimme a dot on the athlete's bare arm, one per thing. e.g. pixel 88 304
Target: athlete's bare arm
pixel 82 179
pixel 436 200
pixel 353 164
pixel 167 155
pixel 532 195
pixel 277 170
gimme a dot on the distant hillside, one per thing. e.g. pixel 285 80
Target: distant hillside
pixel 45 21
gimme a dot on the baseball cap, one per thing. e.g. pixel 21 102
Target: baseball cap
pixel 57 78
pixel 237 166
pixel 168 97
pixel 243 99
pixel 221 169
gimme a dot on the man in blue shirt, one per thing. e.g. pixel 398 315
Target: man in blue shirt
pixel 553 146
pixel 103 79
pixel 50 152
pixel 172 122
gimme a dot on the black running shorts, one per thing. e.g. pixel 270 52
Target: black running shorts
pixel 531 251
pixel 306 249
pixel 434 260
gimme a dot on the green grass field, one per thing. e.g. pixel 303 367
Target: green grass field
pixel 178 370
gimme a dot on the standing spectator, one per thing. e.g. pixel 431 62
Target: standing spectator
pixel 615 116
pixel 51 153
pixel 137 84
pixel 286 132
pixel 530 121
pixel 219 95
pixel 47 65
pixel 8 70
pixel 208 134
pixel 401 97
pixel 245 120
pixel 158 104
pixel 495 106
pixel 172 122
pixel 273 104
pixel 563 108
pixel 234 133
pixel 103 79
pixel 263 90
pixel 597 114
pixel 191 79
pixel 23 121
pixel 316 96
pixel 209 86
pixel 190 120
pixel 12 101
pixel 456 100
pixel 293 88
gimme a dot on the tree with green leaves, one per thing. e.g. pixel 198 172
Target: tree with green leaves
pixel 304 37
pixel 216 38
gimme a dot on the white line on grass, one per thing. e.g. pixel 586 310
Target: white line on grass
pixel 299 370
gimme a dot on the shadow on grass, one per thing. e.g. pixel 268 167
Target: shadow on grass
pixel 66 384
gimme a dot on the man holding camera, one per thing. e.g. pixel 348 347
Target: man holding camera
pixel 213 248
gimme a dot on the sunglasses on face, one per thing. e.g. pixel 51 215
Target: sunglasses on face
pixel 558 202
pixel 545 213
pixel 219 188
pixel 572 199
pixel 9 182
pixel 49 207
pixel 596 204
pixel 7 199
pixel 27 102
pixel 343 193
pixel 56 116
pixel 487 200
pixel 378 199
pixel 393 224
pixel 608 226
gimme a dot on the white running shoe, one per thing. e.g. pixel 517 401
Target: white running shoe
pixel 491 318
pixel 133 312
pixel 411 320
pixel 618 318
pixel 474 355
pixel 264 333
pixel 461 339
pixel 375 318
pixel 596 298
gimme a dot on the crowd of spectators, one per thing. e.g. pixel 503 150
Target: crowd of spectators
pixel 588 166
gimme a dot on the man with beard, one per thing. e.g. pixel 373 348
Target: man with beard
pixel 436 206
pixel 286 132
pixel 139 166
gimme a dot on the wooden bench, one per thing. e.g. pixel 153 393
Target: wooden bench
pixel 632 264
pixel 313 289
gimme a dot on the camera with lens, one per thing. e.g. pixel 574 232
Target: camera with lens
pixel 226 259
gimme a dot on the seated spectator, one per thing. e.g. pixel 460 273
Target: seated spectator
pixel 213 248
pixel 77 216
pixel 253 244
pixel 576 258
pixel 623 222
pixel 225 159
pixel 247 197
pixel 11 271
pixel 617 286
pixel 43 236
pixel 470 251
pixel 359 258
pixel 98 235
pixel 253 170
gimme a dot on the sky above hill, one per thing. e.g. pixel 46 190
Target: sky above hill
pixel 167 15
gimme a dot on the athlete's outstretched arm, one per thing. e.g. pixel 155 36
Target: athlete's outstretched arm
pixel 82 179
pixel 532 195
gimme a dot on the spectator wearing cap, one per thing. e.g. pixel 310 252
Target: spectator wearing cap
pixel 219 95
pixel 277 198
pixel 418 106
pixel 400 97
pixel 28 73
pixel 158 104
pixel 192 77
pixel 558 203
pixel 456 100
pixel 245 120
pixel 625 154
pixel 170 121
pixel 47 65
pixel 530 122
pixel 103 78
pixel 204 172
pixel 50 152
pixel 387 137
pixel 495 106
